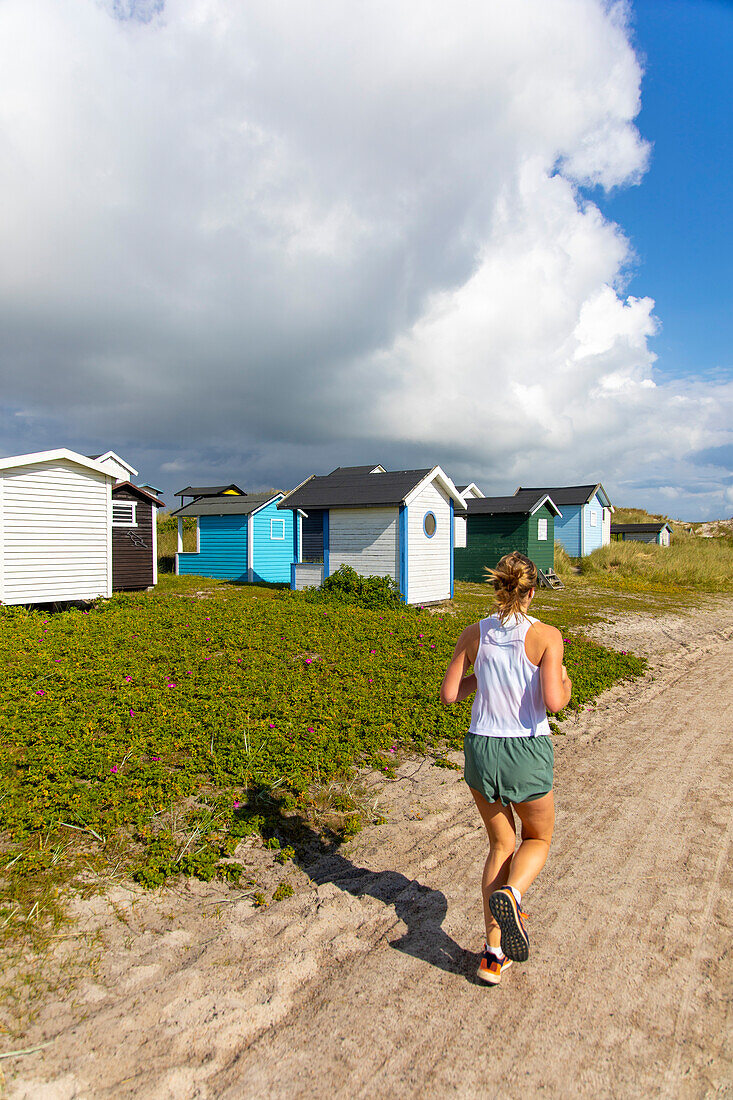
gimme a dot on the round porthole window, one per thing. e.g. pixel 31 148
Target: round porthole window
pixel 429 524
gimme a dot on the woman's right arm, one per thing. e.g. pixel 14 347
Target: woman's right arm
pixel 556 684
pixel 456 685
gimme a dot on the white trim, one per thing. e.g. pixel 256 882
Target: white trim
pixel 542 529
pixel 273 536
pixel 124 504
pixel 476 491
pixel 154 519
pixel 250 547
pixel 291 491
pixel 198 536
pixel 299 521
pixel 436 474
pixel 261 506
pixel 55 456
pixel 593 517
pixel 179 544
pixel 109 539
pixel 116 458
pixel 546 499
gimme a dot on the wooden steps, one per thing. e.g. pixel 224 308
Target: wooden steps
pixel 548 578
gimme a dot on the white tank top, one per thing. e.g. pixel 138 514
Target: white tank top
pixel 508 700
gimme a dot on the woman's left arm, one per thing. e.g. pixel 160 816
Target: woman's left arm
pixel 456 685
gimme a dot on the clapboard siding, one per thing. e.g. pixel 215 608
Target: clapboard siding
pixel 592 536
pixel 365 539
pixel 132 563
pixel 490 537
pixel 428 559
pixel 306 575
pixel 568 528
pixel 223 553
pixel 272 558
pixel 55 532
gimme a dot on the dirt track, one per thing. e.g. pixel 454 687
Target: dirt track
pixel 361 984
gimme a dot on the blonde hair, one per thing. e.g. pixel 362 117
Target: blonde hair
pixel 515 575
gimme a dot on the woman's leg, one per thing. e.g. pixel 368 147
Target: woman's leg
pixel 538 819
pixel 499 822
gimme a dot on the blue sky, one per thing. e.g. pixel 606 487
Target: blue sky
pixel 680 218
pixel 251 242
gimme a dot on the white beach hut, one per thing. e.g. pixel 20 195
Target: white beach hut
pixel 397 524
pixel 55 528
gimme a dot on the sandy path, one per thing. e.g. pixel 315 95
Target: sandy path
pixel 361 984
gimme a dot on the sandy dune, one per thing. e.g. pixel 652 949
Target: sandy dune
pixel 362 983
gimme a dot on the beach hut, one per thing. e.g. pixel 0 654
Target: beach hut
pixel 659 533
pixel 134 526
pixel 239 536
pixel 498 525
pixel 397 524
pixel 585 523
pixel 134 536
pixel 55 528
pixel 468 492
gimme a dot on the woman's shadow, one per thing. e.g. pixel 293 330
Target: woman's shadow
pixel 421 908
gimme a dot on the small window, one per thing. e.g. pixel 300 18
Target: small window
pixel 123 513
pixel 593 518
pixel 277 528
pixel 542 530
pixel 429 524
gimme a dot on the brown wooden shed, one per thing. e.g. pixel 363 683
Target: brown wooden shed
pixel 134 537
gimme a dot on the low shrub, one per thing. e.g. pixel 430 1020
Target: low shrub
pixel 347 586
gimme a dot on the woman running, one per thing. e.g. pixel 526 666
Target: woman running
pixel 517 676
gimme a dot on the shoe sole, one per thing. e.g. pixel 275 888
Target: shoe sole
pixel 489 978
pixel 514 941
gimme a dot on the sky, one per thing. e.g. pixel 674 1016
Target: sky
pixel 253 242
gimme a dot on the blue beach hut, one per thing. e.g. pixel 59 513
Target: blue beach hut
pixel 585 523
pixel 240 538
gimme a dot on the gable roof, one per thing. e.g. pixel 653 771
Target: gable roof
pixel 342 489
pixel 60 454
pixel 209 490
pixel 463 489
pixel 139 492
pixel 525 502
pixel 226 505
pixel 640 528
pixel 115 458
pixel 356 470
pixel 572 494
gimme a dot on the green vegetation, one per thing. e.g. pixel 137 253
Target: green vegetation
pixel 702 564
pixel 346 586
pixel 148 735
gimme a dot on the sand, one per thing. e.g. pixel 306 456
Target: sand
pixel 362 983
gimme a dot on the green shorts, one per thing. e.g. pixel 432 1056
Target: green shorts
pixel 512 769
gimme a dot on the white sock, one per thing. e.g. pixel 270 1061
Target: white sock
pixel 517 895
pixel 495 951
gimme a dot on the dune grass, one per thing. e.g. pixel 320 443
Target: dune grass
pixel 704 565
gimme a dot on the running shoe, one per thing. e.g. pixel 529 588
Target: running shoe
pixel 510 918
pixel 490 968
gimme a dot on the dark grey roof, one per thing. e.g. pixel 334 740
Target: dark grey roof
pixel 639 528
pixel 225 506
pixel 207 490
pixel 138 491
pixel 355 470
pixel 521 504
pixel 568 494
pixel 343 490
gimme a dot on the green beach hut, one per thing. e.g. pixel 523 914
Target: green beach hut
pixel 498 525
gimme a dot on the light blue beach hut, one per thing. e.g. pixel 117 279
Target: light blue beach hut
pixel 240 538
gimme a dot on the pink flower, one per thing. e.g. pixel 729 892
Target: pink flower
pixel 421 635
pixel 432 647
pixel 370 681
pixel 171 685
pixel 311 730
pixel 113 769
pixel 308 660
pixel 207 658
pixel 372 651
pixel 189 674
pixel 390 750
pixel 238 804
pixel 155 758
pixel 40 693
pixel 132 713
pixel 239 660
pixel 272 725
pixel 128 679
